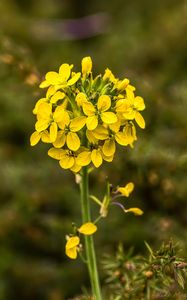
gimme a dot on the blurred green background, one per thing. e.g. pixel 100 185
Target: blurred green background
pixel 144 41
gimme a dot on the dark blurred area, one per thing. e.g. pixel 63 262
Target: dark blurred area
pixel 144 41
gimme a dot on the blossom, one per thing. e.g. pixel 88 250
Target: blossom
pixel 71 247
pixel 127 189
pixel 60 79
pixel 84 117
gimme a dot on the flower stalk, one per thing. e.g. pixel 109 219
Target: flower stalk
pixel 89 242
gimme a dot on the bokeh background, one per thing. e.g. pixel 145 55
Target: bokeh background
pixel 141 40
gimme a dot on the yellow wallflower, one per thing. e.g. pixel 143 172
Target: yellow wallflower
pixel 71 247
pixel 130 106
pixel 127 189
pixel 101 110
pixel 68 134
pixel 61 79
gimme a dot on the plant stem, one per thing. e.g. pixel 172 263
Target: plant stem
pixel 89 243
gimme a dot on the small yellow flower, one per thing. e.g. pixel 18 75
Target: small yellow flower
pixel 61 79
pixel 126 190
pixel 101 110
pixel 71 247
pixel 88 228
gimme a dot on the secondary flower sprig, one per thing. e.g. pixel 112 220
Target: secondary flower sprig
pixel 72 246
pixel 84 117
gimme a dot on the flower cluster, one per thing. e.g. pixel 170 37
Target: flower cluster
pixel 85 117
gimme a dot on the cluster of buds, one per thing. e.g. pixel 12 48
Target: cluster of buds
pixel 85 117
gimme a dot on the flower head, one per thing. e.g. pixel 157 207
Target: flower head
pixel 85 117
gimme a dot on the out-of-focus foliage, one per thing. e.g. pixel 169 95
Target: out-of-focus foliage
pixel 161 274
pixel 142 40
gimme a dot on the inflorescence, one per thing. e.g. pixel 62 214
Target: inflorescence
pixel 84 117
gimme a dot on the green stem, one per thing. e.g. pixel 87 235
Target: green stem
pixel 89 243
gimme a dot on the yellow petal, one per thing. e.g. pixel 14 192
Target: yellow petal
pixel 67 162
pixel 57 96
pixel 104 103
pixel 45 137
pixel 88 109
pixel 84 158
pixel 41 125
pixel 51 91
pixel 44 84
pixel 76 168
pixel 71 253
pixel 73 141
pixel 74 79
pixel 72 242
pixel 137 211
pixel 121 85
pixel 86 65
pixel 61 116
pixel 130 132
pixel 96 158
pixel 140 120
pixel 35 110
pixel 108 158
pixel 53 78
pixel 88 228
pixel 100 133
pixel 77 123
pixel 60 140
pixel 64 71
pixel 35 137
pixel 80 99
pixel 92 122
pixel 109 147
pixel 56 153
pixel 127 190
pixel 115 127
pixel 109 117
pixel 139 103
pixel 44 111
pixel 130 95
pixel 121 138
pixel 91 138
pixel 53 131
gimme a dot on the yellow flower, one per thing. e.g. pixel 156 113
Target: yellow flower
pixel 101 110
pixel 61 79
pixel 47 118
pixel 68 133
pixel 86 157
pixel 129 107
pixel 86 65
pixel 51 96
pixel 126 190
pixel 71 247
pixel 88 228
